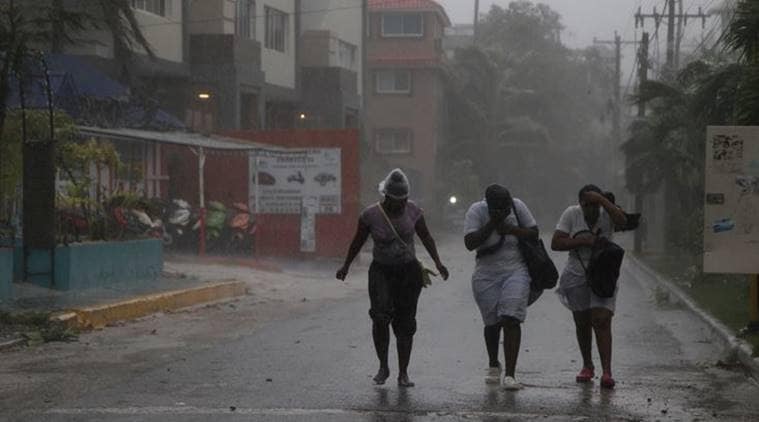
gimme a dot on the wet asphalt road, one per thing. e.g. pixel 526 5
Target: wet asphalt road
pixel 318 367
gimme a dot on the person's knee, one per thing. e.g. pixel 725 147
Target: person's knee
pixel 601 319
pixel 380 318
pixel 582 318
pixel 404 327
pixel 510 322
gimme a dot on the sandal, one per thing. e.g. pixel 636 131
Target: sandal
pixel 586 375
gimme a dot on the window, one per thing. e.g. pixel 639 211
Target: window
pixel 396 81
pixel 393 141
pixel 246 19
pixel 156 7
pixel 402 25
pixel 276 29
pixel 346 55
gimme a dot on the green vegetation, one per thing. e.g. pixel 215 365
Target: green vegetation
pixel 35 327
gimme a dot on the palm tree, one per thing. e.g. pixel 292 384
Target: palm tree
pixel 743 38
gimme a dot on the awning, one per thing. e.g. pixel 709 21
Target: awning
pixel 193 140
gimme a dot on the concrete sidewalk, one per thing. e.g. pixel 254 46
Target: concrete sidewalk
pixel 735 346
pixel 101 306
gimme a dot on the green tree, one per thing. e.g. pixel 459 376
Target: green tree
pixel 521 99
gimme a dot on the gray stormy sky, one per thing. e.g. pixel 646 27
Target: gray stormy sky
pixel 583 19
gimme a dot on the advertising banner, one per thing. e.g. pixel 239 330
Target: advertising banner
pixel 280 180
pixel 731 209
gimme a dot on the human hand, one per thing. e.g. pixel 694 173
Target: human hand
pixel 342 273
pixel 443 271
pixel 593 198
pixel 505 229
pixel 590 241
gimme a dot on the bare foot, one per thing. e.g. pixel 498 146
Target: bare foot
pixel 381 376
pixel 403 381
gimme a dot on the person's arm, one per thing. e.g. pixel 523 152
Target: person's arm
pixel 429 243
pixel 563 242
pixel 362 233
pixel 616 213
pixel 523 232
pixel 475 239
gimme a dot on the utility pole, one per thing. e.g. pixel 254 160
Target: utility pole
pixel 642 79
pixel 617 42
pixel 674 19
pixel 671 36
pixel 476 20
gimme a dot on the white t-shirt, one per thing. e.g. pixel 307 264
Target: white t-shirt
pixel 572 221
pixel 508 258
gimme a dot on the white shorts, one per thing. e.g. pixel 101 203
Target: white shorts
pixel 504 296
pixel 579 297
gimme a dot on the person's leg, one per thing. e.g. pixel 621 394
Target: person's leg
pixel 601 320
pixel 584 332
pixel 492 338
pixel 405 298
pixel 380 311
pixel 512 339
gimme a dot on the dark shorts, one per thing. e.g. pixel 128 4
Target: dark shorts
pixel 394 293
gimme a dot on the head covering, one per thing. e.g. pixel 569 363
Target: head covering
pixel 395 185
pixel 497 197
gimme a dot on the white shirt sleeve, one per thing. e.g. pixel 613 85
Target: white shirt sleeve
pixel 473 219
pixel 565 221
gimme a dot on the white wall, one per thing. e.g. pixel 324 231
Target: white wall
pixel 278 66
pixel 342 17
pixel 164 33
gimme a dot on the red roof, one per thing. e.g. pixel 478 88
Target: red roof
pixel 416 5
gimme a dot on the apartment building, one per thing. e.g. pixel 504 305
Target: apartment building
pixel 405 104
pixel 243 57
pixel 330 62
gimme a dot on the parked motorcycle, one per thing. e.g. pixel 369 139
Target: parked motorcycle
pixel 242 229
pixel 179 218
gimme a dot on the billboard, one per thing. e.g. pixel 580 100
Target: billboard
pixel 731 209
pixel 280 180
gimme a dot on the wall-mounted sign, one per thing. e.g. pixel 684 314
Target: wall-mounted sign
pixel 280 180
pixel 731 200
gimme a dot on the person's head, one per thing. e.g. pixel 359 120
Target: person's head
pixel 499 201
pixel 395 188
pixel 591 210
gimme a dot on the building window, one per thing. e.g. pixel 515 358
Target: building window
pixel 402 25
pixel 246 19
pixel 395 81
pixel 156 7
pixel 346 55
pixel 276 29
pixel 393 141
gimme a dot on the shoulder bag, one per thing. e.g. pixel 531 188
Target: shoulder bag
pixel 427 273
pixel 540 266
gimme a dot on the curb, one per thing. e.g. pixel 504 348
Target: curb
pixel 11 343
pixel 101 315
pixel 736 346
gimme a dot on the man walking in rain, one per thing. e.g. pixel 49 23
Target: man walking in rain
pixel 500 283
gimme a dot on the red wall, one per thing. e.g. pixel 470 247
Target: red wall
pixel 279 235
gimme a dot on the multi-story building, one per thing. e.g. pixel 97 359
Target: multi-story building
pixel 331 62
pixel 243 56
pixel 405 89
pixel 164 78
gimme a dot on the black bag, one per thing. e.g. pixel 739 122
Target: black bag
pixel 543 272
pixel 602 272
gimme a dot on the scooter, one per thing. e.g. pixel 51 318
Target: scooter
pixel 179 225
pixel 242 228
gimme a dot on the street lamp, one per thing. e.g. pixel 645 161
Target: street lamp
pixel 204 96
